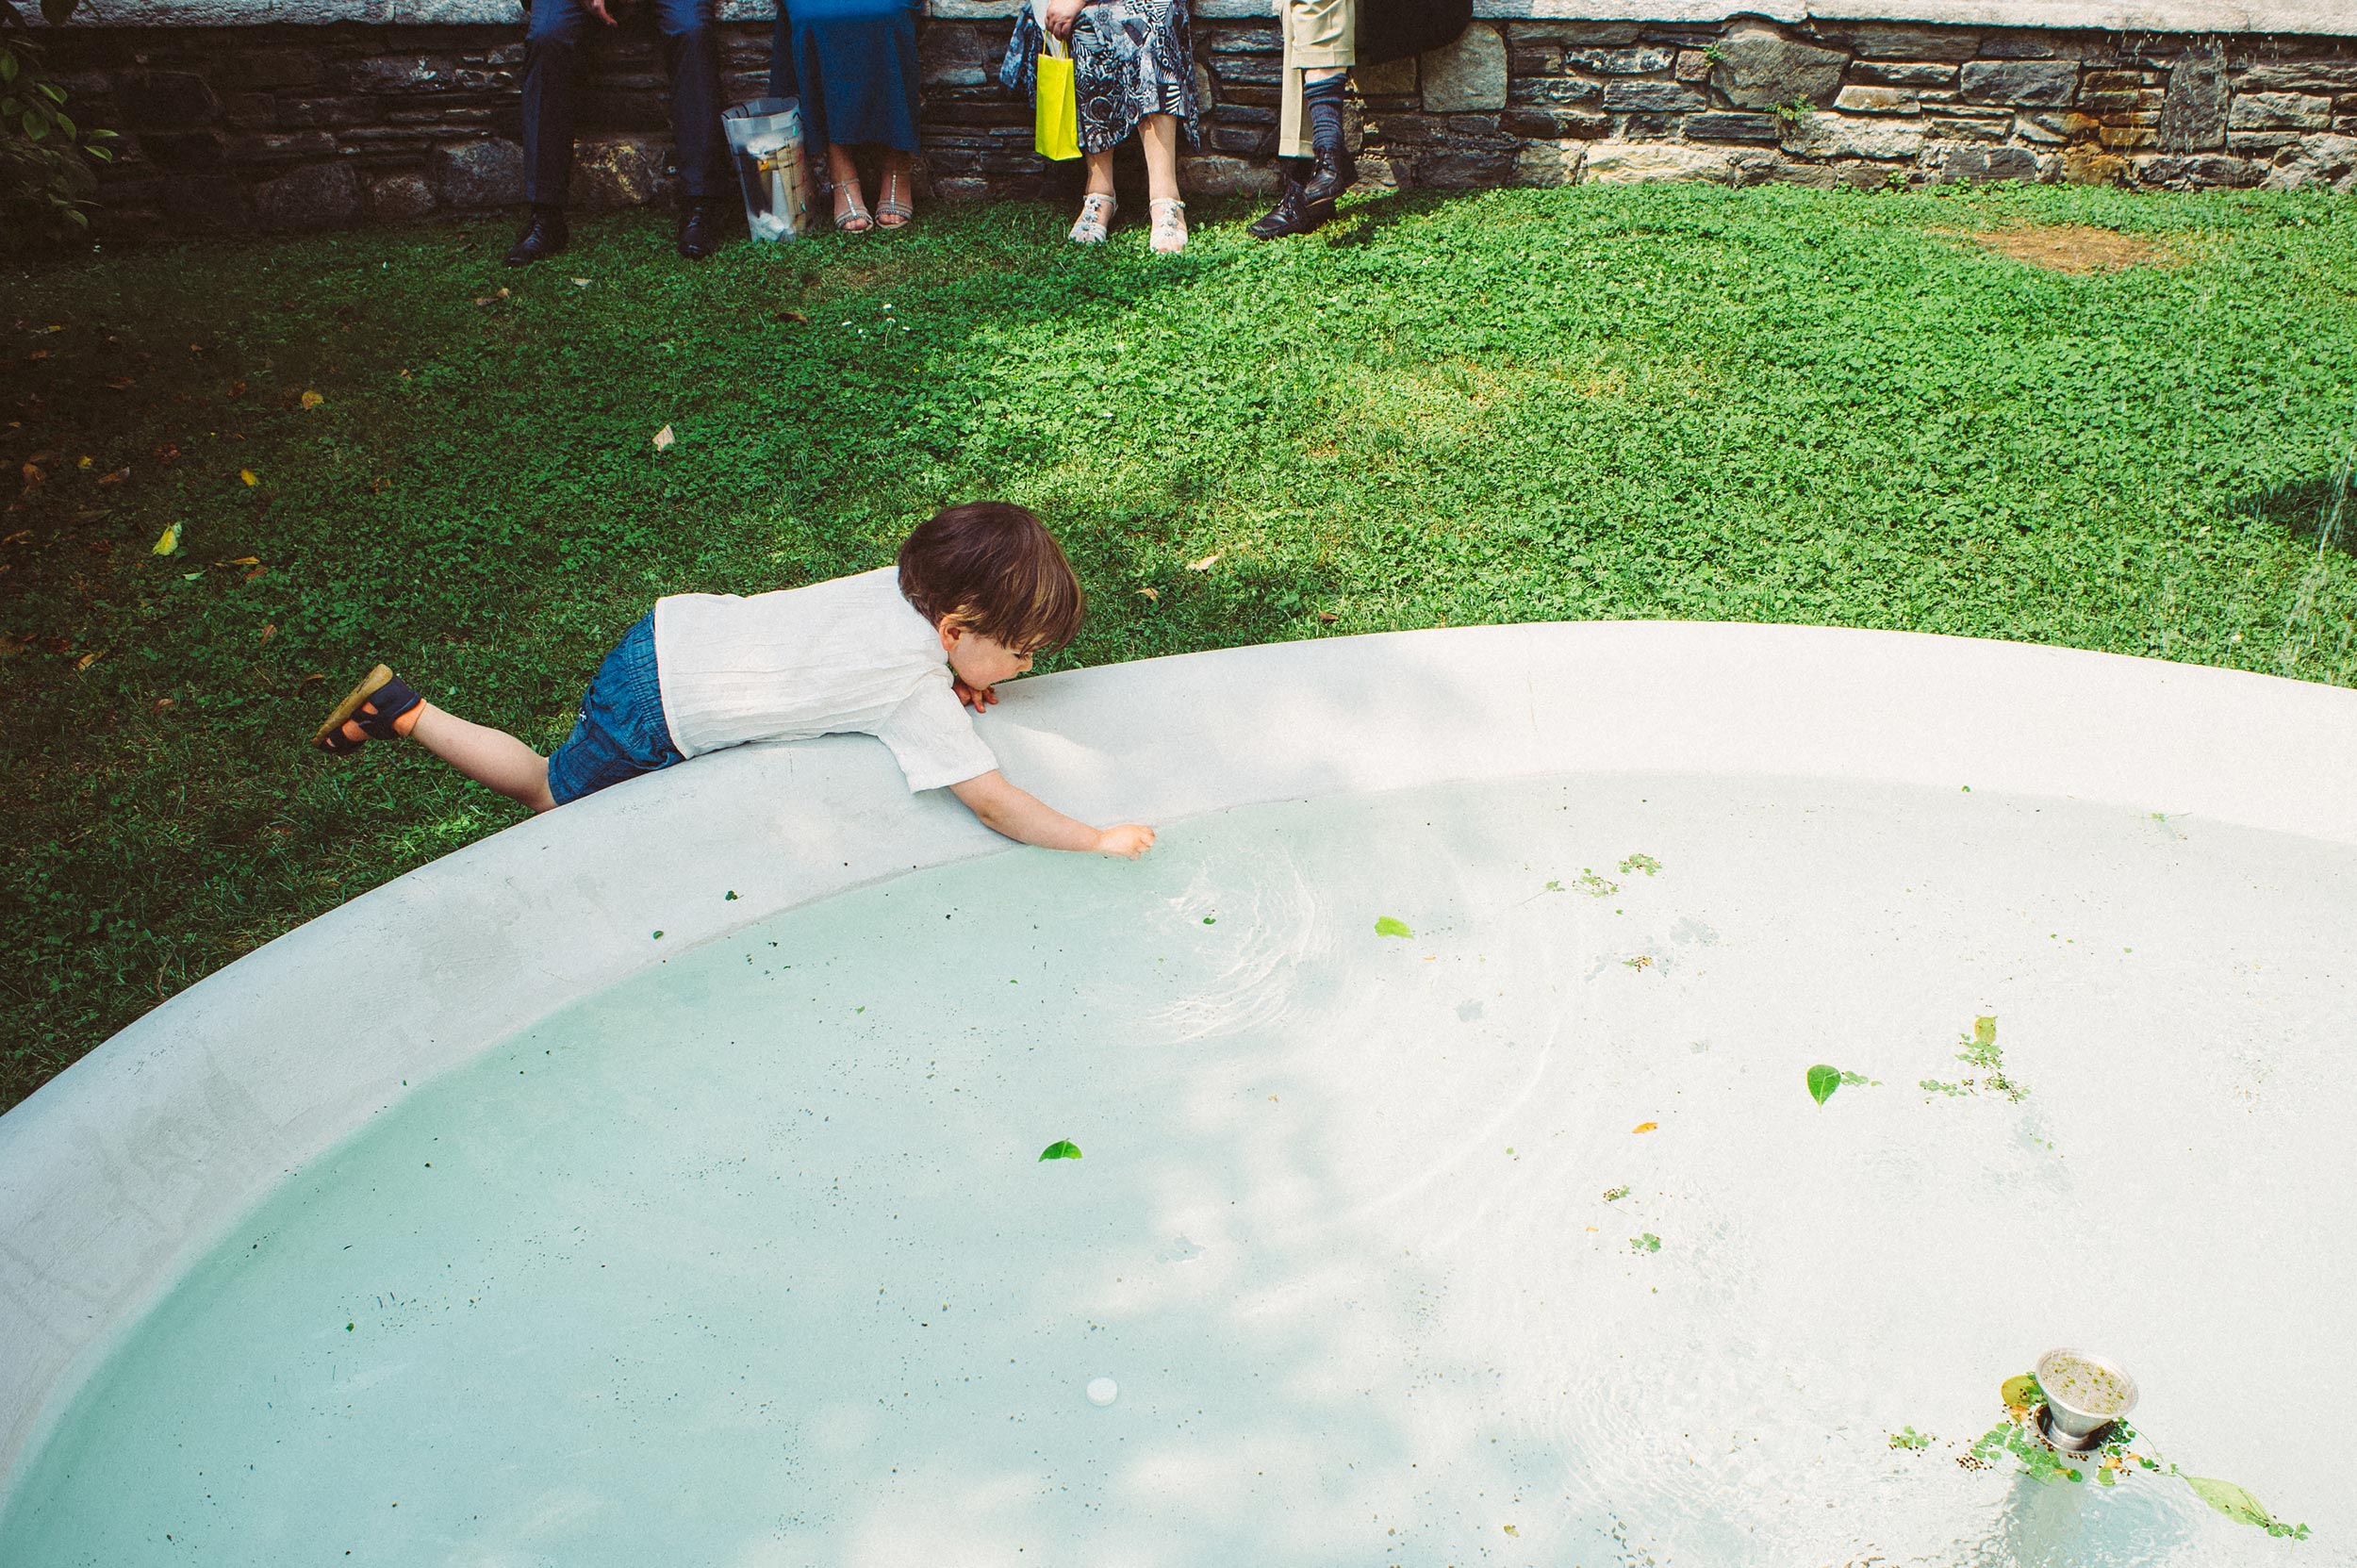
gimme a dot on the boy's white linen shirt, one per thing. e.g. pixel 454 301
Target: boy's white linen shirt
pixel 847 655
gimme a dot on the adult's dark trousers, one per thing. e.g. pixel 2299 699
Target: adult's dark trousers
pixel 552 38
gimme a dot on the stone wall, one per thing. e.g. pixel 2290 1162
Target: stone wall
pixel 307 126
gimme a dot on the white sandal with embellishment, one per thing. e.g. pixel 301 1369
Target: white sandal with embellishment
pixel 1096 215
pixel 1170 223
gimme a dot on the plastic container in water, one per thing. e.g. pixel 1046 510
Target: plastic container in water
pixel 766 136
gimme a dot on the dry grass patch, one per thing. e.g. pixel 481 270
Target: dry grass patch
pixel 2075 248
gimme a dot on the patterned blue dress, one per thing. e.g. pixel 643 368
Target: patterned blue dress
pixel 1130 59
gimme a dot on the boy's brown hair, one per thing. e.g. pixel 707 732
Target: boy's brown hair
pixel 993 566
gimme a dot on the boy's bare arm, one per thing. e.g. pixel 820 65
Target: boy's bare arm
pixel 1027 819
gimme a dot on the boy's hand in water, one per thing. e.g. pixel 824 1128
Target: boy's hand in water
pixel 1129 840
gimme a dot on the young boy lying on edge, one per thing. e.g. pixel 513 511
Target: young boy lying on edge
pixel 978 591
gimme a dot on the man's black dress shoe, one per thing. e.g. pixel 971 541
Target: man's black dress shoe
pixel 543 237
pixel 1294 213
pixel 1332 176
pixel 699 230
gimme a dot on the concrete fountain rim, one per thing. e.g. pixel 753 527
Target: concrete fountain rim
pixel 118 1174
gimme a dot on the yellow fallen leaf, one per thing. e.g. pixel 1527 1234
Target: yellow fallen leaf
pixel 581 283
pixel 1511 1530
pixel 1150 595
pixel 83 464
pixel 663 438
pixel 115 478
pixel 312 400
pixel 169 544
pixel 240 561
pixel 247 474
pixel 89 659
pixel 1205 564
pixel 1645 1127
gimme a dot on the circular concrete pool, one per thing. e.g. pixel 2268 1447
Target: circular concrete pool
pixel 1557 1094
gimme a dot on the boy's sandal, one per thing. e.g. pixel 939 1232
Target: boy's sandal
pixel 1096 213
pixel 373 704
pixel 1170 223
pixel 891 211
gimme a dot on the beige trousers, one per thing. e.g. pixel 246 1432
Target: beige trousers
pixel 1319 35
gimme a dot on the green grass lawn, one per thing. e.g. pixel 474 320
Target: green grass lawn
pixel 1767 404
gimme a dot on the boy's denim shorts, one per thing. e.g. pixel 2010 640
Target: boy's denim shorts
pixel 621 733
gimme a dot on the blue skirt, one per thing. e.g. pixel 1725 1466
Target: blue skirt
pixel 853 65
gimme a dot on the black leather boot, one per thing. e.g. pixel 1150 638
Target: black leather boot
pixel 542 237
pixel 1294 213
pixel 1337 172
pixel 699 230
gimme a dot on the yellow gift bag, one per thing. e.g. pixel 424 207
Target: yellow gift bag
pixel 1056 102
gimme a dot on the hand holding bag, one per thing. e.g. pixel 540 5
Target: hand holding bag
pixel 1055 102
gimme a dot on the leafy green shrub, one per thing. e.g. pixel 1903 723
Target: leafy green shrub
pixel 47 185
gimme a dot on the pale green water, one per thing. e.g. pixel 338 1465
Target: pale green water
pixel 751 1260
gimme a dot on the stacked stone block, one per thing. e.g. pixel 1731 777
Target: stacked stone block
pixel 295 128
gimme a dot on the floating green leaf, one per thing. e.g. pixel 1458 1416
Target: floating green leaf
pixel 1909 1438
pixel 1386 926
pixel 1062 1148
pixel 1616 1195
pixel 1640 863
pixel 2241 1507
pixel 1822 1082
pixel 1647 1243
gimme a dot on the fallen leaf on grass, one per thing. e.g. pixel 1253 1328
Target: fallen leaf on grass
pixel 791 318
pixel 663 438
pixel 163 702
pixel 166 453
pixel 115 478
pixel 247 474
pixel 101 547
pixel 1152 596
pixel 256 573
pixel 168 543
pixel 89 659
pixel 119 382
pixel 1645 1127
pixel 1328 617
pixel 581 283
pixel 312 400
pixel 19 536
pixel 237 389
pixel 1205 564
pixel 266 633
pixel 312 679
pixel 84 465
pixel 240 561
pixel 38 354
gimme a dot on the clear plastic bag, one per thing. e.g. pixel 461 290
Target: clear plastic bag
pixel 765 138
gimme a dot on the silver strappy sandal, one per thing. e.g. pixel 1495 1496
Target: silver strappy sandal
pixel 1096 215
pixel 1170 223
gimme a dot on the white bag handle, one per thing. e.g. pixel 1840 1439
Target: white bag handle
pixel 1056 46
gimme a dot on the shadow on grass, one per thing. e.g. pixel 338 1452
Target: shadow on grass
pixel 2316 508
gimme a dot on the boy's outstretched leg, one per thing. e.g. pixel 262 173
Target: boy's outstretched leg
pixel 384 707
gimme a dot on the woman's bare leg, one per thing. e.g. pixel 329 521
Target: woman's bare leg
pixel 1157 134
pixel 1100 172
